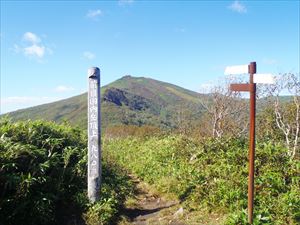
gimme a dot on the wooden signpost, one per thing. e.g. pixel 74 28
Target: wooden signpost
pixel 250 87
pixel 94 134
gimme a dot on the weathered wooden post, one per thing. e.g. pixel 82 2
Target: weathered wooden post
pixel 94 134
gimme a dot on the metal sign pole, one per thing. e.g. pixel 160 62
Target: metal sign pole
pixel 94 134
pixel 251 87
pixel 252 70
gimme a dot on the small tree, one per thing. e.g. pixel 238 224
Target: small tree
pixel 225 110
pixel 287 109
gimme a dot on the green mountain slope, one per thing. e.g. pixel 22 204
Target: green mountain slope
pixel 129 100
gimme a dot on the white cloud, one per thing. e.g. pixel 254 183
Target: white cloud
pixel 62 88
pixel 94 14
pixel 35 51
pixel 236 6
pixel 13 103
pixel 89 55
pixel 22 99
pixel 32 47
pixel 31 37
pixel 125 2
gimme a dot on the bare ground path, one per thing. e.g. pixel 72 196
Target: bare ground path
pixel 150 208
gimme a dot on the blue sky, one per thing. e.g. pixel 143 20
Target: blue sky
pixel 48 46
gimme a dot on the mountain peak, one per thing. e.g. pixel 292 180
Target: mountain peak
pixel 130 77
pixel 128 100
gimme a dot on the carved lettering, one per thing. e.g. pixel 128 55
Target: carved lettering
pixel 93 101
pixel 93 125
pixel 94 155
pixel 93 108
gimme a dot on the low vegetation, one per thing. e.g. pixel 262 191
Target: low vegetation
pixel 43 177
pixel 213 175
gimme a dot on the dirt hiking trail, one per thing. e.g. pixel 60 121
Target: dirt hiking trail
pixel 147 208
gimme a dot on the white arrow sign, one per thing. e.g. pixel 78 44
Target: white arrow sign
pixel 263 79
pixel 231 70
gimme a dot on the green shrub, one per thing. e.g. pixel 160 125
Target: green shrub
pixel 214 175
pixel 43 169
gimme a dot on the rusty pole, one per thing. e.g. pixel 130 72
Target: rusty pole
pixel 252 70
